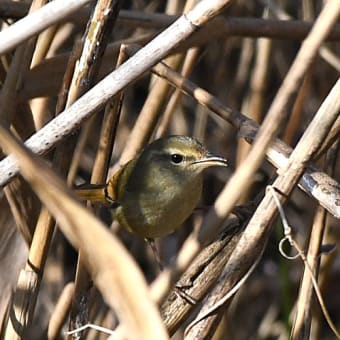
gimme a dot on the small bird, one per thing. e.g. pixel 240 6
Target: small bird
pixel 154 193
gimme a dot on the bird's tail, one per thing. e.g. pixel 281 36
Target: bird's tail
pixel 92 192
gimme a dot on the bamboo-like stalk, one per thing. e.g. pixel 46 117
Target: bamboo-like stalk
pixel 19 66
pixel 295 117
pixel 253 104
pixel 25 297
pixel 60 311
pixel 200 277
pixel 302 321
pixel 188 64
pixel 36 22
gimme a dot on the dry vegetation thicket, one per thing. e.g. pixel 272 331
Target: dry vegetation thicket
pixel 87 84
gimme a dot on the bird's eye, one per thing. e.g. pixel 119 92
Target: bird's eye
pixel 176 158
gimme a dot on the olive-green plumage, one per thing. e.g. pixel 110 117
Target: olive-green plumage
pixel 158 190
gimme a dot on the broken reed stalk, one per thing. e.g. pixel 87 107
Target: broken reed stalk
pixel 81 301
pixel 200 277
pixel 60 311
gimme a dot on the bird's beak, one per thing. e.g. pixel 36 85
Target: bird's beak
pixel 211 160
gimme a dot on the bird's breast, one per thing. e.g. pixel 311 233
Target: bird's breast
pixel 159 209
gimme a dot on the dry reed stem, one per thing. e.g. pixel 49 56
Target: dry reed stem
pixel 88 65
pixel 302 321
pixel 200 277
pixel 254 101
pixel 13 251
pixel 331 58
pixel 99 175
pixel 77 155
pixel 331 138
pixel 39 106
pixel 45 78
pixel 303 318
pixel 8 90
pixel 43 44
pixel 19 66
pixel 40 244
pixel 187 60
pixel 324 51
pixel 67 77
pixel 259 77
pixel 60 312
pixel 328 261
pixel 148 116
pixel 23 206
pixel 28 282
pixel 188 65
pixel 295 117
pixel 36 22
